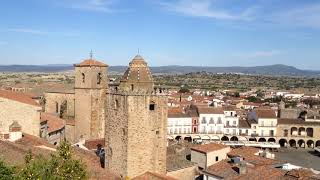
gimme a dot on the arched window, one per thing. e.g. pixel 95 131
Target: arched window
pixel 132 87
pixel 83 77
pixel 99 78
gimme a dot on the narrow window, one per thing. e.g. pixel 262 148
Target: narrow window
pixel 116 104
pixel 83 77
pixel 217 158
pixel 132 87
pixel 152 107
pixel 99 78
pixel 57 107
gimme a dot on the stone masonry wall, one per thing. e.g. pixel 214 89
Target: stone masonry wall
pixel 28 116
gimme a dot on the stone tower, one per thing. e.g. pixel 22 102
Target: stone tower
pixel 90 93
pixel 136 124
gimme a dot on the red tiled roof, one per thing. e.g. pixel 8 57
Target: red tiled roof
pixel 210 110
pixel 296 121
pixel 266 113
pixel 90 62
pixel 20 97
pixel 205 148
pixel 244 124
pixel 54 123
pixel 153 176
pixel 228 170
pixel 248 153
pixel 93 143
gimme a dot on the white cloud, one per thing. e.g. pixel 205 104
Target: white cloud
pixel 29 31
pixel 306 16
pixel 42 32
pixel 89 5
pixel 299 14
pixel 205 8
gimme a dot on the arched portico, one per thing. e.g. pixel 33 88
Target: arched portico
pixel 283 142
pixel 310 144
pixel 271 140
pixel 224 138
pixel 292 143
pixel 262 140
pixel 234 138
pixel 301 143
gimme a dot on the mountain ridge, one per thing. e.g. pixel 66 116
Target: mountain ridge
pixel 276 69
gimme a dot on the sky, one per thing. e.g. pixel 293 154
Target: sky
pixel 165 32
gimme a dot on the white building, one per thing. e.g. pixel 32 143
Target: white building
pixel 211 120
pixel 179 123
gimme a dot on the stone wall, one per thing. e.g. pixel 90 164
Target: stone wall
pixel 188 173
pixel 136 135
pixel 56 98
pixel 28 116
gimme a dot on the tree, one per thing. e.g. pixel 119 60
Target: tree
pixel 60 166
pixel 184 89
pixel 6 172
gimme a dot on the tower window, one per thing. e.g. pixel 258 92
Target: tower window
pixel 83 77
pixel 132 87
pixel 99 78
pixel 116 104
pixel 57 107
pixel 152 107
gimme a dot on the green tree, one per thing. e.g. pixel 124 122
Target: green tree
pixel 6 172
pixel 60 166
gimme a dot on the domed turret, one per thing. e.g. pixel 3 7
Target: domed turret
pixel 137 77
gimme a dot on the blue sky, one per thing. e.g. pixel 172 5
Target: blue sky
pixel 167 32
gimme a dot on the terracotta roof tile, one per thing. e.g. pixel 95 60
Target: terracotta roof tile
pixel 205 148
pixel 228 171
pixel 20 97
pixel 210 110
pixel 93 143
pixel 296 121
pixel 54 123
pixel 91 62
pixel 266 113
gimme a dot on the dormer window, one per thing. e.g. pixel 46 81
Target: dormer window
pixel 99 78
pixel 83 77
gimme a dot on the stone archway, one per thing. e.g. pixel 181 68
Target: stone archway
pixel 253 139
pixel 234 138
pixel 262 140
pixel 188 138
pixel 301 143
pixel 292 143
pixel 271 140
pixel 224 138
pixel 317 143
pixel 310 144
pixel 178 138
pixel 283 142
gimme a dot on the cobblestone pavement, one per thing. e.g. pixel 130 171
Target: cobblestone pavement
pixel 300 157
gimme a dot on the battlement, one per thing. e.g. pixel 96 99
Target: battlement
pixel 138 92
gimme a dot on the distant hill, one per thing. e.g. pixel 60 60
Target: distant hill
pixel 277 69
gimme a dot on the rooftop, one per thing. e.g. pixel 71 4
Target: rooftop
pixel 19 97
pixel 206 148
pixel 153 176
pixel 91 62
pixel 266 113
pixel 210 110
pixel 54 123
